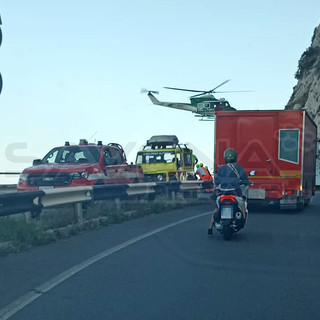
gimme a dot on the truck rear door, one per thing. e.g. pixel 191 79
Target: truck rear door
pixel 252 135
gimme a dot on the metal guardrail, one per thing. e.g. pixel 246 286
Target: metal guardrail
pixel 56 197
pixel 10 173
pixel 5 188
pixel 12 203
pixel 34 201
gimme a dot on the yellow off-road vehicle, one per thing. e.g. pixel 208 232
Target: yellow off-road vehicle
pixel 164 159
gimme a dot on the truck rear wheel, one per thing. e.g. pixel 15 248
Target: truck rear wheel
pixel 300 205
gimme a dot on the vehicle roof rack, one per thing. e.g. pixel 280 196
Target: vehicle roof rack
pixel 163 141
pixel 83 141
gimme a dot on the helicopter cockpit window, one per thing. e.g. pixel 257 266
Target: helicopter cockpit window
pixel 200 106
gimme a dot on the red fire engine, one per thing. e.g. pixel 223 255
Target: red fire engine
pixel 280 146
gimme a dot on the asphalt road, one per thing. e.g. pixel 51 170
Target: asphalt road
pixel 166 267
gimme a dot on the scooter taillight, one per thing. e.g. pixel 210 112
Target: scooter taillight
pixel 228 197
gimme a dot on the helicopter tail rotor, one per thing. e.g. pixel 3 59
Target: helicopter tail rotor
pixel 143 90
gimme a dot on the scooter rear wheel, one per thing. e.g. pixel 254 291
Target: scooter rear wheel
pixel 227 232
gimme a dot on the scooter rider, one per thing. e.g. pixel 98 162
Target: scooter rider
pixel 229 177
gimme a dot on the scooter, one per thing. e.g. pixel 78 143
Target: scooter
pixel 229 219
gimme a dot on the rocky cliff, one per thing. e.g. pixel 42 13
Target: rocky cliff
pixel 306 94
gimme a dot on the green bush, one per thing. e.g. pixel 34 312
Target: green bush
pixel 19 234
pixel 59 223
pixel 308 58
pixel 57 217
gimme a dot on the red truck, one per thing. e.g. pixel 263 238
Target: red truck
pixel 85 164
pixel 278 147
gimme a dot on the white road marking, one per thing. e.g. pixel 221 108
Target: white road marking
pixel 28 298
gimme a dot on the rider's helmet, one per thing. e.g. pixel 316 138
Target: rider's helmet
pixel 201 164
pixel 198 165
pixel 230 155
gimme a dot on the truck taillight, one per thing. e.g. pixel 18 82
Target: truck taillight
pixel 290 193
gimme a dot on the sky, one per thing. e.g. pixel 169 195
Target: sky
pixel 74 69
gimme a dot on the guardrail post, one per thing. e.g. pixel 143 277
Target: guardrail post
pixel 118 204
pixel 28 217
pixel 79 213
pixel 167 193
pixel 180 196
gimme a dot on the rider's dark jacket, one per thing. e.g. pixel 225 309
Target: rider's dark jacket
pixel 227 178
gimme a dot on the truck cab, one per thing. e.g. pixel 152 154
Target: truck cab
pixel 164 159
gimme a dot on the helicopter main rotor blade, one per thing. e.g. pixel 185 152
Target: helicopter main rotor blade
pixel 200 94
pixel 221 84
pixel 210 91
pixel 203 92
pixel 200 91
pixel 183 89
pixel 233 91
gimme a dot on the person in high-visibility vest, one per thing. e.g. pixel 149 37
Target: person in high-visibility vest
pixel 205 176
pixel 206 167
pixel 200 172
pixel 208 176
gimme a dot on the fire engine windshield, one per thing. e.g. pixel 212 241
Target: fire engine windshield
pixel 156 157
pixel 73 155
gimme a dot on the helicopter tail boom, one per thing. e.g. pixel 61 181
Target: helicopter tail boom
pixel 181 106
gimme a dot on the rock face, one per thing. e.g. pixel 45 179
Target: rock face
pixel 306 94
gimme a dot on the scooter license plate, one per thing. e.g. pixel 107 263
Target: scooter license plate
pixel 226 212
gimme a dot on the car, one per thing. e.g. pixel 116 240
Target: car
pixel 85 164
